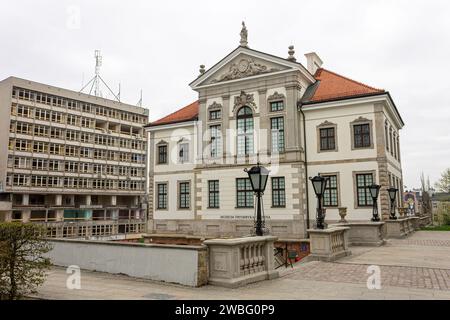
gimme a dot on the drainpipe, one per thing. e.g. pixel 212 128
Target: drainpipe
pixel 299 106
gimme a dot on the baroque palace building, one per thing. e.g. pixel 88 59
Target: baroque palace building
pixel 297 121
pixel 71 161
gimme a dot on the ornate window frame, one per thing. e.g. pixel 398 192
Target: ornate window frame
pixel 157 183
pixel 355 187
pixel 179 182
pixel 338 187
pixel 326 125
pixel 359 121
pixel 160 144
pixel 276 97
pixel 214 107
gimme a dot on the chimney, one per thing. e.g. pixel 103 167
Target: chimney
pixel 313 62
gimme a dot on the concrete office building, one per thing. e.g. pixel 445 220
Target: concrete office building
pixel 71 161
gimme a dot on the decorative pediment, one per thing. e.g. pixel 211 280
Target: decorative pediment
pixel 244 67
pixel 244 62
pixel 361 119
pixel 244 99
pixel 162 142
pixel 215 105
pixel 276 96
pixel 326 123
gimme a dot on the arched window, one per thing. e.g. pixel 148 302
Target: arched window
pixel 244 131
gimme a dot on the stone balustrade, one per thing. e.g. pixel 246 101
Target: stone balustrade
pixel 329 244
pixel 364 233
pixel 401 227
pixel 239 261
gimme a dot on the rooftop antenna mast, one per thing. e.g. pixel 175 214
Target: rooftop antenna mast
pixel 97 79
pixel 139 104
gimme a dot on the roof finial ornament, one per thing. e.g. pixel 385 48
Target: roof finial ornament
pixel 202 69
pixel 244 34
pixel 291 54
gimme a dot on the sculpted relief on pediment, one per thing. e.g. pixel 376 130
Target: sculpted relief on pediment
pixel 243 68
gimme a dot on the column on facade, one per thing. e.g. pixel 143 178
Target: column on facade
pixel 60 215
pixel 201 135
pixel 292 120
pixel 382 162
pixel 58 200
pixel 264 123
pixel 225 125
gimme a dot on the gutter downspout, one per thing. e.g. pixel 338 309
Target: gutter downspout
pixel 299 106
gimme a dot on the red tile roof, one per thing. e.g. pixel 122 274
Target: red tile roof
pixel 331 86
pixel 190 112
pixel 334 86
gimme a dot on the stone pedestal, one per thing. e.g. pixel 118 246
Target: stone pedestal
pixel 399 228
pixel 329 244
pixel 365 233
pixel 239 261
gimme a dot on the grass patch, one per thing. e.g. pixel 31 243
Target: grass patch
pixel 437 228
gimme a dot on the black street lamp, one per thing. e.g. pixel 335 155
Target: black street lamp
pixel 258 178
pixel 374 191
pixel 392 194
pixel 319 183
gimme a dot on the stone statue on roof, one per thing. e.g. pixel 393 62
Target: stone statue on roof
pixel 244 34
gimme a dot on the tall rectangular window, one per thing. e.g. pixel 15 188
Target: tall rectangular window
pixel 183 152
pixel 363 181
pixel 162 195
pixel 162 154
pixel 330 196
pixel 245 128
pixel 184 195
pixel 216 147
pixel 277 127
pixel 213 193
pixel 244 193
pixel 278 192
pixel 361 135
pixel 327 139
pixel 276 106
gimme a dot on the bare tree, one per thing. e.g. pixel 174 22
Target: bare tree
pixel 22 262
pixel 443 184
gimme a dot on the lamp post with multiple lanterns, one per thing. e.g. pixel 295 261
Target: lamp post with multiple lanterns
pixel 258 178
pixel 319 183
pixel 374 192
pixel 392 195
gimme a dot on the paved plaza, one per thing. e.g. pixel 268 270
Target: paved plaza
pixel 417 267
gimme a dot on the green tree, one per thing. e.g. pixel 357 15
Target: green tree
pixel 443 185
pixel 23 264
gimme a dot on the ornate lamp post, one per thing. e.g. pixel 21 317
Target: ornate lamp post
pixel 319 183
pixel 258 178
pixel 374 191
pixel 392 194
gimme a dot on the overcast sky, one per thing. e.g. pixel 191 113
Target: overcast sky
pixel 157 46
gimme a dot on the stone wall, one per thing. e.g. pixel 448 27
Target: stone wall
pixel 185 265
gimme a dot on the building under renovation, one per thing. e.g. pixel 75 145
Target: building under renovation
pixel 71 161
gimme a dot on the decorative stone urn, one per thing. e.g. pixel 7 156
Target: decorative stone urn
pixel 342 213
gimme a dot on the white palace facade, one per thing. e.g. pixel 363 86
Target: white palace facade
pixel 297 121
